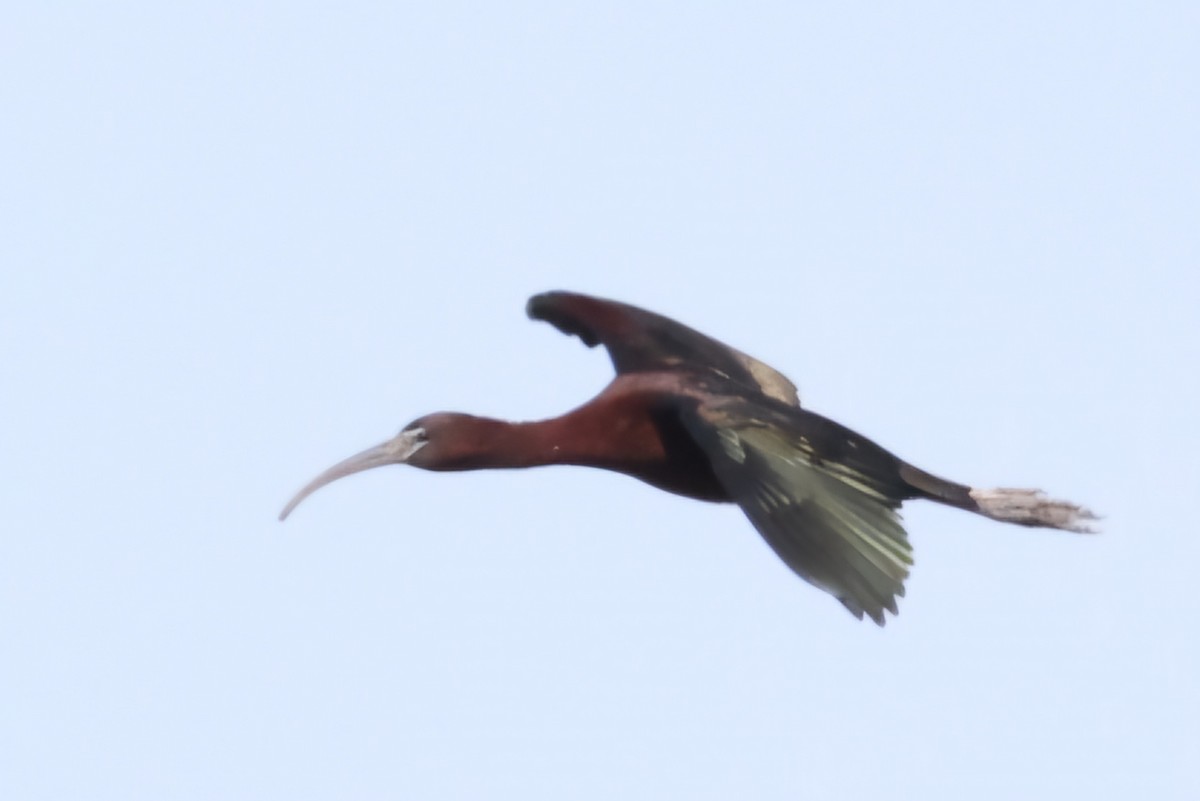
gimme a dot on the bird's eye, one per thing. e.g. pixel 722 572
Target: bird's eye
pixel 417 432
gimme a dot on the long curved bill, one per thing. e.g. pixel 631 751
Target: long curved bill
pixel 397 450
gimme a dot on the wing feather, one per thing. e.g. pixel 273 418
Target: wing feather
pixel 642 341
pixel 837 528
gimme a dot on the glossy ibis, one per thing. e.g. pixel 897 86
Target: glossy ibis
pixel 698 418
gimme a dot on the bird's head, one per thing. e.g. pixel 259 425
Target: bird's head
pixel 439 441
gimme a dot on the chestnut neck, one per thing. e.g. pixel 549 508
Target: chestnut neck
pixel 581 437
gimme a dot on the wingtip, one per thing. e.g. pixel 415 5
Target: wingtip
pixel 876 615
pixel 555 307
pixel 536 306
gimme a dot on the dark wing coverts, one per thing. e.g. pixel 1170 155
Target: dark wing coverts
pixel 640 341
pixel 823 498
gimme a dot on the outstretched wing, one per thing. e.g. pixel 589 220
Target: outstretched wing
pixel 832 522
pixel 642 341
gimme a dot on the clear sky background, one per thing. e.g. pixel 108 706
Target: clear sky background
pixel 241 241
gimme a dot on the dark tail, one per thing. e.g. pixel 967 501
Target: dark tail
pixel 1025 507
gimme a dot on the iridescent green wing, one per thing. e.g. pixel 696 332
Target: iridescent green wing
pixel 832 522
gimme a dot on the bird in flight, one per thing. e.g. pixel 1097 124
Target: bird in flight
pixel 695 417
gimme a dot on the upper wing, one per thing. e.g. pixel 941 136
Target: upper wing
pixel 832 522
pixel 642 341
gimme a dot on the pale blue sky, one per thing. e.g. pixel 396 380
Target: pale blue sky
pixel 244 240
